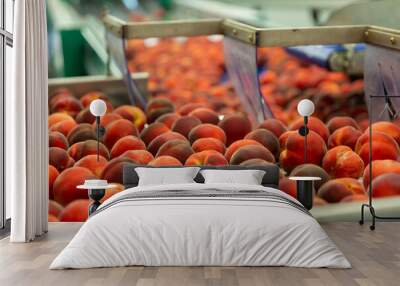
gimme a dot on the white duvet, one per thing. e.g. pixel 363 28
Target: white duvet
pixel 200 231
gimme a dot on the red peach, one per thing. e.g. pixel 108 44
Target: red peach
pixel 140 157
pixel 87 98
pixel 204 144
pixel 251 152
pixel 288 186
pixel 108 118
pixel 179 149
pixel 55 208
pixel 208 157
pixel 127 143
pixel 165 161
pixel 157 142
pixel 157 107
pixel 117 188
pixel 189 107
pixel 206 130
pixel 386 185
pixel 283 138
pixel 341 162
pixel 388 128
pixel 57 139
pixel 235 126
pixel 205 115
pixel 59 94
pixel 69 105
pixel 89 147
pixel 335 190
pixel 85 116
pixel 60 159
pixel 185 124
pixel 255 162
pixel 314 124
pixel 311 170
pixel 118 129
pixel 64 187
pixel 347 136
pixel 76 211
pixel 380 167
pixel 53 174
pixel 81 132
pixel 273 125
pixel 236 145
pixel 267 139
pixel 113 171
pixel 293 150
pixel 168 119
pixel 152 131
pixel 58 117
pixel 64 126
pixel 340 122
pixel 133 114
pixel 91 163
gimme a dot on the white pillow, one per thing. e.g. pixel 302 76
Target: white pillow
pixel 248 177
pixel 166 176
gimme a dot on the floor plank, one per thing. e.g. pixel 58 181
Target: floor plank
pixel 375 257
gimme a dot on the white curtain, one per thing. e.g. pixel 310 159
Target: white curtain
pixel 26 123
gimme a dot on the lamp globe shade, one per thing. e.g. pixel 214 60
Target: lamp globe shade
pixel 98 107
pixel 305 107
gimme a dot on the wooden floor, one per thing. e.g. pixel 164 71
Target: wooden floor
pixel 375 257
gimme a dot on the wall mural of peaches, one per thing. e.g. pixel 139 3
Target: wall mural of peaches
pixel 182 125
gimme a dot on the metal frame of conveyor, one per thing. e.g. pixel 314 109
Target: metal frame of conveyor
pixel 265 37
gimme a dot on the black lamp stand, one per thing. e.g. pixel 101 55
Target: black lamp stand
pixel 303 131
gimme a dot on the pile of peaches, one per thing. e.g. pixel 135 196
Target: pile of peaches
pixel 194 119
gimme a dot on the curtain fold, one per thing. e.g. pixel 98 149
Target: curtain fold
pixel 26 123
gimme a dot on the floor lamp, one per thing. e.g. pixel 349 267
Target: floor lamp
pixel 305 108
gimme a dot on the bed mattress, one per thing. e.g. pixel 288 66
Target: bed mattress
pixel 201 225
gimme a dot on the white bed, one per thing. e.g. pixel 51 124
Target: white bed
pixel 269 229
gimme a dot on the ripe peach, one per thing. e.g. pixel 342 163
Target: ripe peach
pixel 55 208
pixel 90 162
pixel 255 162
pixel 53 174
pixel 388 128
pixel 52 218
pixel 347 136
pixel 58 117
pixel 87 98
pixel 236 145
pixel 133 114
pixel 319 202
pixel 203 144
pixel 57 139
pixel 60 159
pixel 206 115
pixel 89 147
pixel 235 126
pixel 157 142
pixel 208 157
pixel 140 157
pixel 165 161
pixel 380 167
pixel 288 186
pixel 284 136
pixel 64 126
pixel 85 116
pixel 69 105
pixel 383 147
pixel 108 118
pixel 267 139
pixel 314 124
pixel 185 124
pixel 118 129
pixel 189 107
pixel 126 143
pixel 386 185
pixel 274 125
pixel 81 132
pixel 251 152
pixel 112 191
pixel 311 170
pixel 58 94
pixel 335 190
pixel 64 187
pixel 206 130
pixel 340 122
pixel 76 211
pixel 152 131
pixel 179 149
pixel 341 162
pixel 113 171
pixel 157 107
pixel 293 150
pixel 168 119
